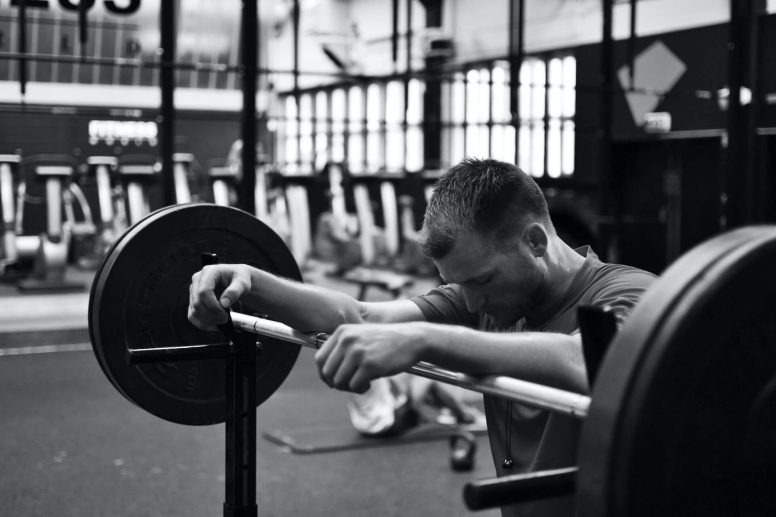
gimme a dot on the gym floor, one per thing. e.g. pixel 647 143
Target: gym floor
pixel 73 446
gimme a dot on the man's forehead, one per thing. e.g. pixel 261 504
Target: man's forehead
pixel 470 257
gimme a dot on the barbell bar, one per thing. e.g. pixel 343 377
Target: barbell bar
pixel 517 390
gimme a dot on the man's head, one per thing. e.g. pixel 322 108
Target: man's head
pixel 491 198
pixel 488 229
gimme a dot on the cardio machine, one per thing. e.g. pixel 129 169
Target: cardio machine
pixel 52 176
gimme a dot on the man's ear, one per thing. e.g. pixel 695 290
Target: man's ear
pixel 536 237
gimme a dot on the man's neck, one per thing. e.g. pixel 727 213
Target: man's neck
pixel 563 264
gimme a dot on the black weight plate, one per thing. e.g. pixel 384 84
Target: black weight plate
pixel 139 299
pixel 682 415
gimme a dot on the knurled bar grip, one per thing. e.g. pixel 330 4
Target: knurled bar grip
pixel 529 393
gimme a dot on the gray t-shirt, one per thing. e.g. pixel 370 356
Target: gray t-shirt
pixel 539 440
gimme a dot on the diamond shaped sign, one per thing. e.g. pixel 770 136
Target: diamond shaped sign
pixel 656 68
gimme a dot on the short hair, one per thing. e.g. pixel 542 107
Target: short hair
pixel 488 196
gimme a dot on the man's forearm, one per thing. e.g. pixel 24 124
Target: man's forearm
pixel 545 358
pixel 302 306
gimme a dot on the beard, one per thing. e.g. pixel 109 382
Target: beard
pixel 523 300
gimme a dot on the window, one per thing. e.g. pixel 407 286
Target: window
pixel 338 115
pixel 503 133
pixel 322 143
pixel 375 127
pixel 476 115
pixel 306 146
pixel 413 160
pixel 290 131
pixel 394 122
pixel 356 129
pixel 378 126
pixel 453 118
pixel 547 108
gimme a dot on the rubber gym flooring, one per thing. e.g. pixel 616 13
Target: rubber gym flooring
pixel 71 445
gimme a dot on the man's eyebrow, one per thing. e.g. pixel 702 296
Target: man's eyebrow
pixel 474 278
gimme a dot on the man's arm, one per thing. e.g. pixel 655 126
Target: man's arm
pixel 302 306
pixel 356 354
pixel 547 358
pixel 376 346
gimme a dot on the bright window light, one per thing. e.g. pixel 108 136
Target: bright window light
pixel 355 109
pixel 457 100
pixel 537 150
pixel 394 103
pixel 394 150
pixel 524 161
pixel 569 86
pixel 356 152
pixel 415 89
pixel 500 103
pixel 554 149
pixel 414 149
pixel 567 167
pixel 374 104
pixel 457 145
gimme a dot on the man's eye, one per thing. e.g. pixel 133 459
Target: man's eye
pixel 484 280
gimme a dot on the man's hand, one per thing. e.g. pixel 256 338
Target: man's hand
pixel 206 305
pixel 356 354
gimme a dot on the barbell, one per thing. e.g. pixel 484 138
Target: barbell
pixel 682 416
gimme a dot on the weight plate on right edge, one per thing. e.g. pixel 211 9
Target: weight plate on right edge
pixel 682 415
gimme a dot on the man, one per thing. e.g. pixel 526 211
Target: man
pixel 508 307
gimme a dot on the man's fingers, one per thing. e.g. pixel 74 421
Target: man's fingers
pixel 360 381
pixel 341 379
pixel 206 306
pixel 336 362
pixel 323 353
pixel 328 359
pixel 236 288
pixel 202 295
pixel 198 312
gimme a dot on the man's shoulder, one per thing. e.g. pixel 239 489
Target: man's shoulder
pixel 600 272
pixel 618 286
pixel 621 273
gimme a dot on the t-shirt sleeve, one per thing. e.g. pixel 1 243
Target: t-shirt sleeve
pixel 445 304
pixel 620 288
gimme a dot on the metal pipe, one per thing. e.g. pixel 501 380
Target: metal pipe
pixel 408 70
pixel 22 45
pixel 609 180
pixel 516 53
pixel 632 46
pixel 532 394
pixel 520 488
pixel 179 353
pixel 167 18
pixel 240 430
pixel 83 27
pixel 395 34
pixel 249 40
